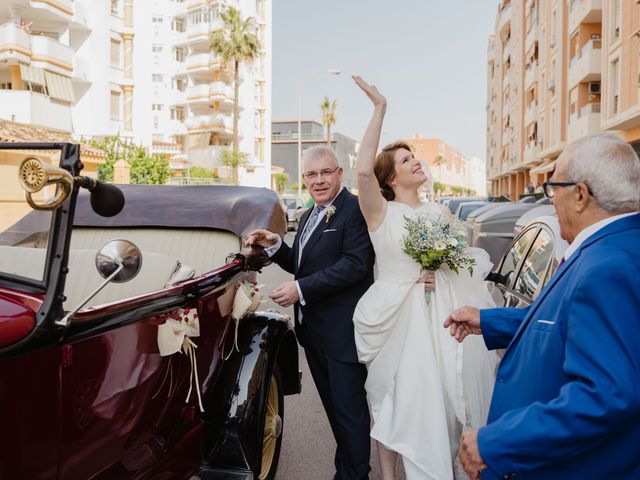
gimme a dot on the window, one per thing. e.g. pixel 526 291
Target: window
pixel 177 25
pixel 5 85
pixel 177 113
pixel 115 105
pixel 535 266
pixel 157 19
pixel 115 7
pixel 615 87
pixel 115 53
pixel 179 84
pixel 156 48
pixel 156 107
pixel 156 78
pixel 514 255
pixel 616 19
pixel 179 55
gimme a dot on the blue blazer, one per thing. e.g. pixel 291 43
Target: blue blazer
pixel 566 404
pixel 333 272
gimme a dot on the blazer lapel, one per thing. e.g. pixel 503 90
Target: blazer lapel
pixel 296 241
pixel 317 233
pixel 632 221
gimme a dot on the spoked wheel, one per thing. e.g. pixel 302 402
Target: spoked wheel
pixel 273 416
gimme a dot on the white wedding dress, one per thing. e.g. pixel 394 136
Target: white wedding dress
pixel 423 386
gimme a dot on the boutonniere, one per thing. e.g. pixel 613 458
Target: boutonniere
pixel 330 211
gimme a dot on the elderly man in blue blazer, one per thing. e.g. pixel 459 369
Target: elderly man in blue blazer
pixel 332 262
pixel 566 403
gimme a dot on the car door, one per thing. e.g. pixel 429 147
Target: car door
pixel 510 265
pixel 536 266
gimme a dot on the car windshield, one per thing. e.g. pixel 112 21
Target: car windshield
pixel 465 210
pixel 24 233
pixel 291 203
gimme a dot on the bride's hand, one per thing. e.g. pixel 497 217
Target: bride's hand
pixel 429 280
pixel 372 92
pixel 462 322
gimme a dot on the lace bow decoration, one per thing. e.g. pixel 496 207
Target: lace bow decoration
pixel 174 336
pixel 247 299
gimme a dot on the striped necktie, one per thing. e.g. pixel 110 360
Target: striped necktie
pixel 311 222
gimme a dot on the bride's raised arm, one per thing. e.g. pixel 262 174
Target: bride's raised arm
pixel 372 203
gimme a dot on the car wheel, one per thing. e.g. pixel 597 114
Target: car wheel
pixel 272 421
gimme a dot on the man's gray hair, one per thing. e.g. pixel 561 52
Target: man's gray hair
pixel 317 152
pixel 611 169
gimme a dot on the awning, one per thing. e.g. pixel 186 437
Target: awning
pixel 544 168
pixel 59 87
pixel 32 74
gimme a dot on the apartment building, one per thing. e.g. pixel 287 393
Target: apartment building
pixel 140 69
pixel 448 165
pixel 558 70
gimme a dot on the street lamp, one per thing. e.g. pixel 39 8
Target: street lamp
pixel 332 71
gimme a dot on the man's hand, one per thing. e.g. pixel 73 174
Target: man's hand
pixel 429 280
pixel 462 322
pixel 264 238
pixel 286 294
pixel 470 454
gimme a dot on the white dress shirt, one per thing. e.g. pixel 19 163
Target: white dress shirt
pixel 590 230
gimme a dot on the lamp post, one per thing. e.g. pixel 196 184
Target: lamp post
pixel 332 71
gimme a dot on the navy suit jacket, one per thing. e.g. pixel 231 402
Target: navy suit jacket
pixel 334 271
pixel 566 404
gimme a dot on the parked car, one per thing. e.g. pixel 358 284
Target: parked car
pixel 528 263
pixel 456 201
pixel 465 208
pixel 84 390
pixel 294 209
pixel 531 215
pixel 493 230
pixel 471 218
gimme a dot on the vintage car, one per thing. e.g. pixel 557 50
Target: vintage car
pixel 529 262
pixel 119 354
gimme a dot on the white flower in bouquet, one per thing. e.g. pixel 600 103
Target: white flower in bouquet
pixel 434 242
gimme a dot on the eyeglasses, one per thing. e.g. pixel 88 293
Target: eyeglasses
pixel 322 173
pixel 550 187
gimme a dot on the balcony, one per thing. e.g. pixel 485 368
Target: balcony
pixel 586 122
pixel 531 75
pixel 58 57
pixel 222 93
pixel 586 66
pixel 198 94
pixel 531 113
pixel 531 151
pixel 200 32
pixel 35 109
pixel 532 36
pixel 504 19
pixel 210 123
pixel 60 8
pixel 584 11
pixel 15 43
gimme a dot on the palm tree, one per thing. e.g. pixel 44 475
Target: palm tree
pixel 235 42
pixel 328 112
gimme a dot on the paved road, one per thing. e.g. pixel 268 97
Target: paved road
pixel 308 445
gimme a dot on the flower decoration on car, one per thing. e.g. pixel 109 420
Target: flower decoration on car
pixel 176 335
pixel 330 211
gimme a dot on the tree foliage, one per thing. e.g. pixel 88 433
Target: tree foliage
pixel 281 180
pixel 328 113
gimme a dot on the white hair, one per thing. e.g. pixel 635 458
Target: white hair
pixel 611 169
pixel 318 152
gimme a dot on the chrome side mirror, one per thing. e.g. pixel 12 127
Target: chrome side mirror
pixel 117 261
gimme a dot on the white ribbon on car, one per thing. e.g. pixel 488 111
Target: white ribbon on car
pixel 243 303
pixel 175 335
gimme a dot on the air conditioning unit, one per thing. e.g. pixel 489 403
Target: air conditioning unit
pixel 594 88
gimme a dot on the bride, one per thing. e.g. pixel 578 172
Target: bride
pixel 423 387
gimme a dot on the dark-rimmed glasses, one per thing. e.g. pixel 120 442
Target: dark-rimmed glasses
pixel 321 174
pixel 549 187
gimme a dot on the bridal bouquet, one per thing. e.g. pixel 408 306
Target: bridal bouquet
pixel 436 241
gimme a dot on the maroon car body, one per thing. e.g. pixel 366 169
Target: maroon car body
pixel 95 399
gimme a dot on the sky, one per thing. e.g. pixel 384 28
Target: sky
pixel 428 57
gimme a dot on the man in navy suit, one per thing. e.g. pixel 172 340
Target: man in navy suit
pixel 332 262
pixel 566 403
